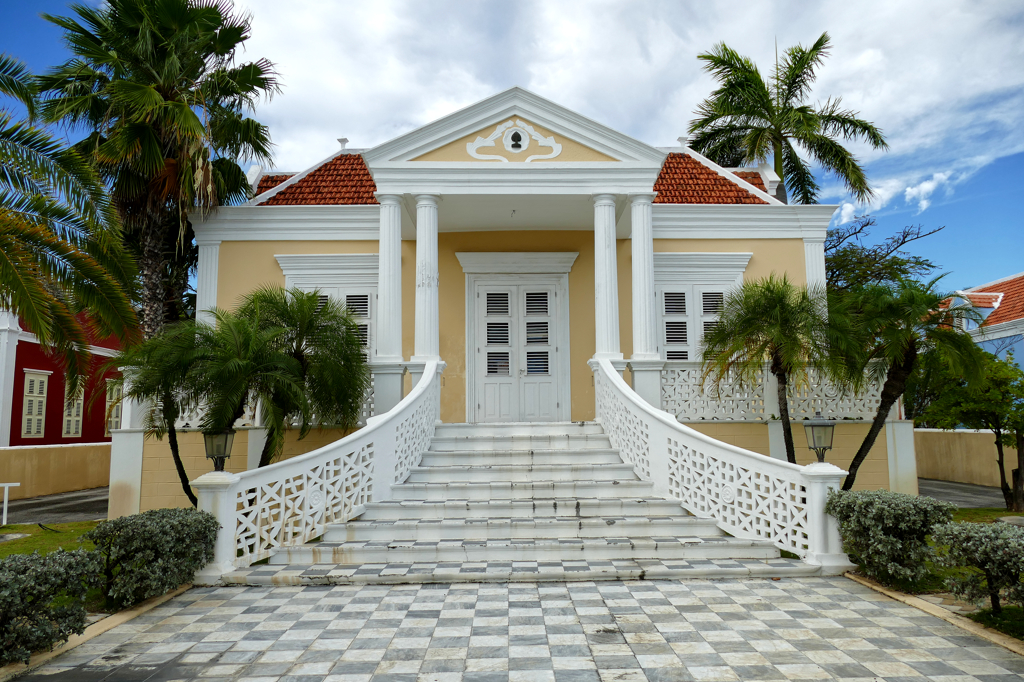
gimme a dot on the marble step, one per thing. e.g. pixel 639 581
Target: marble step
pixel 483 443
pixel 507 549
pixel 526 490
pixel 491 457
pixel 517 429
pixel 422 530
pixel 560 507
pixel 517 473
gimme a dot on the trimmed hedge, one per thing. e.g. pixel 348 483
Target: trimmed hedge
pixel 884 532
pixel 42 600
pixel 148 554
pixel 995 552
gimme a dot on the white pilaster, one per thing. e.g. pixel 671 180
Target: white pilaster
pixel 606 281
pixel 206 280
pixel 427 337
pixel 814 261
pixel 9 330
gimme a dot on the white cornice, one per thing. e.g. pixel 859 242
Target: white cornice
pixel 101 351
pixel 700 268
pixel 514 102
pixel 326 269
pixel 517 263
pixel 741 221
pixel 262 223
pixel 998 331
pixel 535 178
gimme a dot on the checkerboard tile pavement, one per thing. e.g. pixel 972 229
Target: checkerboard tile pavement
pixel 622 631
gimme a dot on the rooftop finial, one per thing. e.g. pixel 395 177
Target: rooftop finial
pixel 343 141
pixel 683 141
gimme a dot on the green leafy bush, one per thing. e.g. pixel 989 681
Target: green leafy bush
pixel 41 600
pixel 995 552
pixel 148 554
pixel 884 532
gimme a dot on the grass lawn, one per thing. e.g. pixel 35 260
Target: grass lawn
pixel 987 515
pixel 64 535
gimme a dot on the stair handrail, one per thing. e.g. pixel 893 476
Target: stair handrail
pixel 750 495
pixel 292 501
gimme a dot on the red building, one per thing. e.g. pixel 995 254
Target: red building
pixel 33 408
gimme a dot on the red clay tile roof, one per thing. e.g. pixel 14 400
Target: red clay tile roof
pixel 753 177
pixel 345 179
pixel 1012 306
pixel 270 182
pixel 684 180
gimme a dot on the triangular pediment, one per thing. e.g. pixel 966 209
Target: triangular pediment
pixel 514 126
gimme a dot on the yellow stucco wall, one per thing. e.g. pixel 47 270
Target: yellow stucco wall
pixel 52 469
pixel 770 255
pixel 873 473
pixel 571 150
pixel 160 484
pixel 962 457
pixel 244 266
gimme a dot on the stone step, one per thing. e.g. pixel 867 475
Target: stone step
pixel 427 530
pixel 527 490
pixel 479 443
pixel 517 429
pixel 562 507
pixel 517 473
pixel 587 549
pixel 490 457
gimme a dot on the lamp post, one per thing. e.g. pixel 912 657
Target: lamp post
pixel 218 447
pixel 820 432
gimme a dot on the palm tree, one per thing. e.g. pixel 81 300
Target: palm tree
pixel 768 322
pixel 747 119
pixel 62 269
pixel 221 368
pixel 324 341
pixel 158 86
pixel 896 324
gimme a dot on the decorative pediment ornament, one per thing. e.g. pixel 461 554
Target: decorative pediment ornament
pixel 508 131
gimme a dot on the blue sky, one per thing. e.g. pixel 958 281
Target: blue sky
pixel 943 78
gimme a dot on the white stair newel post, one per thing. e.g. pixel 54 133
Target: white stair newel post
pixel 216 493
pixel 606 281
pixel 825 545
pixel 427 338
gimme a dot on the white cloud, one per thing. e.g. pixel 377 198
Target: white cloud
pixel 949 93
pixel 922 192
pixel 847 212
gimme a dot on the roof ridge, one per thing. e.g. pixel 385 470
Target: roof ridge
pixel 294 179
pixel 730 175
pixel 994 282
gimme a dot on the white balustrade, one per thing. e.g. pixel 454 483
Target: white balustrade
pixel 293 501
pixel 683 395
pixel 750 495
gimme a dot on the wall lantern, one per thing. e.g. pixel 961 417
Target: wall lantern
pixel 819 434
pixel 218 447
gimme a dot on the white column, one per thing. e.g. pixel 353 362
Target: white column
pixel 606 281
pixel 814 261
pixel 9 331
pixel 645 364
pixel 428 344
pixel 206 280
pixel 388 370
pixel 389 280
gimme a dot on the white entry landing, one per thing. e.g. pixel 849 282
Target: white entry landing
pixel 526 502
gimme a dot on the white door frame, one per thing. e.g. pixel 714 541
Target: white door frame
pixel 505 268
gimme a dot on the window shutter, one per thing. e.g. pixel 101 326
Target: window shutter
pixel 33 420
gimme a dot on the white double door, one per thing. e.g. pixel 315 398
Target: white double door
pixel 519 354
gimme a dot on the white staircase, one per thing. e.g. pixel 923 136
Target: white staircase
pixel 523 493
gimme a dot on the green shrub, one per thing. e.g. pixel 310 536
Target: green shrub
pixel 884 532
pixel 41 600
pixel 148 554
pixel 995 552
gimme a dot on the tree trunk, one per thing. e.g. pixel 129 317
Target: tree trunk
pixel 894 386
pixel 993 594
pixel 1018 481
pixel 780 191
pixel 1004 487
pixel 151 275
pixel 783 394
pixel 171 416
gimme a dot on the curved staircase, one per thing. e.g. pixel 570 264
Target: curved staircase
pixel 521 502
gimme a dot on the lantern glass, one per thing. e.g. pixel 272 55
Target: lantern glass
pixel 218 445
pixel 819 432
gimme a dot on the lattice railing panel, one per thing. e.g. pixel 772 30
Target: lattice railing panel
pixel 626 432
pixel 413 434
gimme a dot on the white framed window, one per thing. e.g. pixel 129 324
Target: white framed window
pixel 74 406
pixel 33 409
pixel 112 407
pixel 690 289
